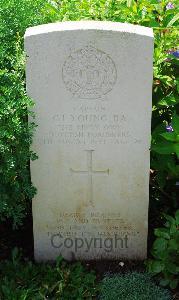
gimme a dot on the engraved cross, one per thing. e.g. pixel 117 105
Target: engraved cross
pixel 90 172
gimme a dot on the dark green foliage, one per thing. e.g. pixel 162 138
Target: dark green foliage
pixel 15 133
pixel 166 252
pixel 27 281
pixel 132 286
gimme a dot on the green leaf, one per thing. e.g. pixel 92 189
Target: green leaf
pixel 164 282
pixel 174 170
pixel 158 129
pixel 173 229
pixel 168 101
pixel 176 148
pixel 160 244
pixel 170 219
pixel 169 136
pixel 130 3
pixel 163 147
pixel 162 232
pixel 175 123
pixel 177 84
pixel 171 267
pixel 174 283
pixel 173 20
pixel 173 244
pixel 52 8
pixel 154 23
pixel 156 266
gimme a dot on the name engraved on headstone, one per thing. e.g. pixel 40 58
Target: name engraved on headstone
pixel 88 129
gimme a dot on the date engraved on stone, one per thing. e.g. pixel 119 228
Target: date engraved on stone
pixel 89 73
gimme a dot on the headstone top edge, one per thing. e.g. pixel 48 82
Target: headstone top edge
pixel 89 25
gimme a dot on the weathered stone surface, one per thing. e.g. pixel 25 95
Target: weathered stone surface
pixel 91 82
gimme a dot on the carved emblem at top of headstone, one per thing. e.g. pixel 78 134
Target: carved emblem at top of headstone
pixel 89 73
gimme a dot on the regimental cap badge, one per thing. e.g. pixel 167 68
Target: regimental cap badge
pixel 89 73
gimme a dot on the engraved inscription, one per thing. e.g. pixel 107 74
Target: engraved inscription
pixel 90 172
pixel 89 73
pixel 90 125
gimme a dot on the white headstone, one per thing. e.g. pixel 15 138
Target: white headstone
pixel 92 85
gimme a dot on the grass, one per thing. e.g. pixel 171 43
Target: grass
pixel 24 280
pixel 132 286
